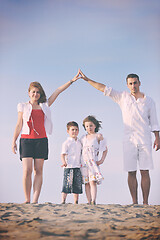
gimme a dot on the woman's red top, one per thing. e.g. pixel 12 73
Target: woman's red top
pixel 36 125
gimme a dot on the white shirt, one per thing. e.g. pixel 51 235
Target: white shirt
pixel 72 148
pixel 26 108
pixel 139 116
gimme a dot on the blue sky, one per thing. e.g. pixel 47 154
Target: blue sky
pixel 47 41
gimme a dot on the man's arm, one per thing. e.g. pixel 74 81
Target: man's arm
pixel 157 141
pixel 98 86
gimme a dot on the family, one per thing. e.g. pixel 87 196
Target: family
pixel 80 157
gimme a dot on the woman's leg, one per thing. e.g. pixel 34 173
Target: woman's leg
pixel 88 192
pixel 27 178
pixel 38 178
pixel 93 187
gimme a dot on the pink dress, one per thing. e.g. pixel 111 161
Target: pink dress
pixel 90 150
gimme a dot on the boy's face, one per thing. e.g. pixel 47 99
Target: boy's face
pixel 73 132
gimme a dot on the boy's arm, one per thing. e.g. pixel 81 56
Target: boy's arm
pixel 64 164
pixel 97 85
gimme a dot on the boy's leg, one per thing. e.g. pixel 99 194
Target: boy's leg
pixel 64 196
pixel 76 197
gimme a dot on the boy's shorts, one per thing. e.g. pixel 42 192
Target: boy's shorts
pixel 34 148
pixel 72 181
pixel 140 154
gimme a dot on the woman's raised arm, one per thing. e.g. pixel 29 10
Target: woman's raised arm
pixel 55 94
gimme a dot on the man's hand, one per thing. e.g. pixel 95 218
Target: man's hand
pixel 82 75
pixel 157 144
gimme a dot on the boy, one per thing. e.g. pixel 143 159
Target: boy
pixel 71 161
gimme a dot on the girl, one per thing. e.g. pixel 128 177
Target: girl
pixel 92 144
pixel 34 119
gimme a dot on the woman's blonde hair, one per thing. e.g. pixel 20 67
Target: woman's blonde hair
pixel 42 98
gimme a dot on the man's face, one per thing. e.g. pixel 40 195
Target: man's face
pixel 133 85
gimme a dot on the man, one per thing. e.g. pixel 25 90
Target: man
pixel 139 117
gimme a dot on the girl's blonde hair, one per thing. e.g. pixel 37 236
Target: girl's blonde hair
pixel 42 98
pixel 93 120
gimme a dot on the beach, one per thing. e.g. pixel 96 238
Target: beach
pixel 82 221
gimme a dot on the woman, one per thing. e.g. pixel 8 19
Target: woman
pixel 34 120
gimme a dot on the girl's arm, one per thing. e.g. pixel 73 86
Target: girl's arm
pixel 104 154
pixel 55 94
pixel 97 85
pixel 17 131
pixel 64 164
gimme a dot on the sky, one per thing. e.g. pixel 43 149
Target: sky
pixel 48 41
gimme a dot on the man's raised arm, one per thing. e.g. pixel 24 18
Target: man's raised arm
pixel 98 86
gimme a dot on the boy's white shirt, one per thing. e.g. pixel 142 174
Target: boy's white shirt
pixel 72 149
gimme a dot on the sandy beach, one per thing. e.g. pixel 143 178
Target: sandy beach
pixel 69 221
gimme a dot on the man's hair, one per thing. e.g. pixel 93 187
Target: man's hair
pixel 93 120
pixel 42 98
pixel 132 75
pixel 72 124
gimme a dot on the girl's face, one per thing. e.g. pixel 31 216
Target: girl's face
pixel 34 94
pixel 90 127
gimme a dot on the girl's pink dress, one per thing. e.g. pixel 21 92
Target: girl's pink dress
pixel 90 151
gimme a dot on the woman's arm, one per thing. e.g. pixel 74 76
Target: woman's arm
pixel 98 86
pixel 17 131
pixel 55 94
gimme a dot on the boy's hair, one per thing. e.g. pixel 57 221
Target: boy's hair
pixel 93 120
pixel 72 124
pixel 132 75
pixel 42 98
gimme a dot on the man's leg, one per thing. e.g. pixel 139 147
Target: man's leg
pixel 145 185
pixel 133 185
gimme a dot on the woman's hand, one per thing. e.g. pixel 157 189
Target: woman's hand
pixel 14 147
pixel 78 76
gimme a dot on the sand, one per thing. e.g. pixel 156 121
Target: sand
pixel 56 221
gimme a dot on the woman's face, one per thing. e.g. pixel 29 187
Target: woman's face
pixel 34 94
pixel 90 127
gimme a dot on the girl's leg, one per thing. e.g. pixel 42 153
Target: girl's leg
pixel 76 196
pixel 27 178
pixel 38 178
pixel 64 196
pixel 88 192
pixel 93 187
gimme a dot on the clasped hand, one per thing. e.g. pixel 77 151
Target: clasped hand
pixel 79 75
